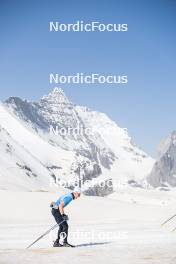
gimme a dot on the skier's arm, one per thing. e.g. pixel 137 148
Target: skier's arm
pixel 61 207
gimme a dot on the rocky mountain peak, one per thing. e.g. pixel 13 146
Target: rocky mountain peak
pixel 56 96
pixel 173 137
pixel 164 169
pixel 166 143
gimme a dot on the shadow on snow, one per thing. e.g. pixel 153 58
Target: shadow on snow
pixel 93 244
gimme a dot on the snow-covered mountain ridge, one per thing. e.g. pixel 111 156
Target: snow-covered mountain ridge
pixel 105 153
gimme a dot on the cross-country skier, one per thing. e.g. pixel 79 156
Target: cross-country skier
pixel 59 216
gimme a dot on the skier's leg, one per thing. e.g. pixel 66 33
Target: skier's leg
pixel 59 233
pixel 65 231
pixel 58 219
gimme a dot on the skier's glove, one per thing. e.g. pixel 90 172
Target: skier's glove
pixel 65 217
pixel 52 204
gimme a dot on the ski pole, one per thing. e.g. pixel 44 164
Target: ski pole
pixel 168 220
pixel 173 229
pixel 47 232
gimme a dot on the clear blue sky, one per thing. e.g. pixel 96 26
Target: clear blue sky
pixel 146 53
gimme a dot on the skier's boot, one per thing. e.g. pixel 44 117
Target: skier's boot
pixel 57 244
pixel 66 244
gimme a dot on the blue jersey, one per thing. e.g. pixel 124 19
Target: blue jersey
pixel 67 198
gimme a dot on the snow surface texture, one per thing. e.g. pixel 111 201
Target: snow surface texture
pixel 124 228
pixel 106 153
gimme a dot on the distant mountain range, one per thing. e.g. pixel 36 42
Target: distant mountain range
pixel 30 154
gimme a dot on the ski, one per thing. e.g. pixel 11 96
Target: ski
pixel 69 246
pixel 168 220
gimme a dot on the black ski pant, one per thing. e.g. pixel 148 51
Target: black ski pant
pixel 63 228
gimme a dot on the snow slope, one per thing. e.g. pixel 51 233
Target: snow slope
pixel 45 155
pixel 132 163
pixel 110 229
pixel 19 169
